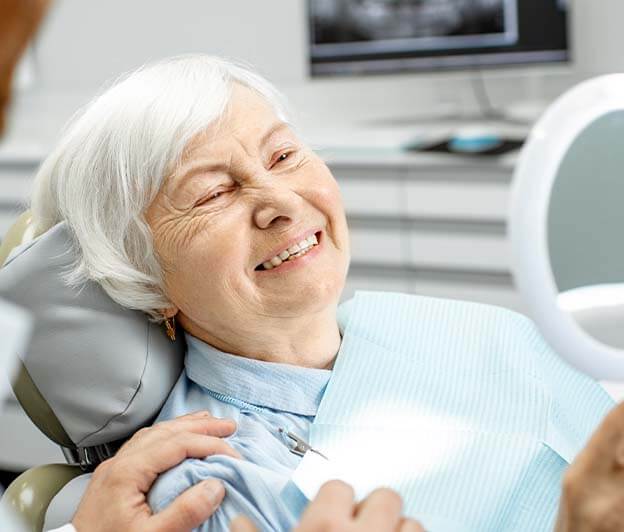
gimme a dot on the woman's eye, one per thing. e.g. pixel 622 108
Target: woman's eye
pixel 213 196
pixel 282 157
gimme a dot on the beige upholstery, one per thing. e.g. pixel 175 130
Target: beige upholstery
pixel 21 231
pixel 29 495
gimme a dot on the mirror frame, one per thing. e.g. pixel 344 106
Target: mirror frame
pixel 534 175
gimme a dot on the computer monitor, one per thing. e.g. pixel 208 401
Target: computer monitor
pixel 387 36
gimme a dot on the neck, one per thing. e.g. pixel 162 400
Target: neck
pixel 309 341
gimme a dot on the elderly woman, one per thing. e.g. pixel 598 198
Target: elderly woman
pixel 191 198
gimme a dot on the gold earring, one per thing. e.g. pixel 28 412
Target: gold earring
pixel 170 326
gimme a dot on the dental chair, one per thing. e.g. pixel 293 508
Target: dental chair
pixel 93 373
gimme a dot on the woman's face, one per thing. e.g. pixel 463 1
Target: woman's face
pixel 247 190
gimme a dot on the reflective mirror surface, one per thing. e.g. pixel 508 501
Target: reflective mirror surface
pixel 585 230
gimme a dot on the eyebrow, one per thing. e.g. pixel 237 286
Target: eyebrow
pixel 211 166
pixel 277 126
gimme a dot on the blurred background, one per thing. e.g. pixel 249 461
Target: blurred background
pixel 418 106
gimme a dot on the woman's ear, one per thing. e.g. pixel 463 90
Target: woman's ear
pixel 169 312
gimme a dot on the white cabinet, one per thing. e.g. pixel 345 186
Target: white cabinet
pixel 458 251
pixel 432 225
pixel 379 194
pixel 377 245
pixel 15 187
pixel 437 199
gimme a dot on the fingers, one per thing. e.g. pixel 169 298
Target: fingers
pixel 242 524
pixel 191 508
pixel 605 443
pixel 202 423
pixel 198 422
pixel 335 498
pixel 380 511
pixel 409 525
pixel 332 509
pixel 147 461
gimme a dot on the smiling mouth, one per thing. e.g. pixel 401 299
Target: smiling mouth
pixel 286 256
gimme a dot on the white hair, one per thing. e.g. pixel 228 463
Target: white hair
pixel 112 159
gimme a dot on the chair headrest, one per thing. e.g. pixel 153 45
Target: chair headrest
pixel 101 370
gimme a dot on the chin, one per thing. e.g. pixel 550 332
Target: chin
pixel 314 297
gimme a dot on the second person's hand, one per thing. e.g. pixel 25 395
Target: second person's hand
pixel 116 495
pixel 334 508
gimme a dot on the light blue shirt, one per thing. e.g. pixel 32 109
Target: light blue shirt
pixel 481 415
pixel 261 397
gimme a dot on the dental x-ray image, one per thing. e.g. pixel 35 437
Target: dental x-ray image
pixel 426 24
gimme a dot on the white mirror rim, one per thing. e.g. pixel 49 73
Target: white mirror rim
pixel 534 176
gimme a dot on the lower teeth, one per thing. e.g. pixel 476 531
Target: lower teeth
pixel 297 255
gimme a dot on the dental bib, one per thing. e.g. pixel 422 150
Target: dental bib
pixel 460 407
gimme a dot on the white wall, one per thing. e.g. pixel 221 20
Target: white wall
pixel 87 42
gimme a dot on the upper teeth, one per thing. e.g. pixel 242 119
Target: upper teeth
pixel 293 250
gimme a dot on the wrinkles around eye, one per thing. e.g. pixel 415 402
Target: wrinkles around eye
pixel 295 160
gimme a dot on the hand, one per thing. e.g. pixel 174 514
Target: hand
pixel 593 486
pixel 19 20
pixel 116 495
pixel 334 509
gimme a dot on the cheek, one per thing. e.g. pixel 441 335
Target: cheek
pixel 210 264
pixel 330 202
pixel 327 193
pixel 327 198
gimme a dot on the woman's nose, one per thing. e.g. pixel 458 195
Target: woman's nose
pixel 276 204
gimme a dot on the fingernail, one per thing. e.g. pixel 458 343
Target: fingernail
pixel 236 525
pixel 200 414
pixel 231 426
pixel 215 489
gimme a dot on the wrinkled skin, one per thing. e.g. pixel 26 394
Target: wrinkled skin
pixel 260 187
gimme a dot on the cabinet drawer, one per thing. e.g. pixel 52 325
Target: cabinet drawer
pixel 462 173
pixel 467 252
pixel 363 197
pixel 15 187
pixel 363 282
pixel 8 216
pixel 377 246
pixel 499 295
pixel 502 296
pixel 457 200
pixel 370 172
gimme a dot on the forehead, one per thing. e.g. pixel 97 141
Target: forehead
pixel 245 119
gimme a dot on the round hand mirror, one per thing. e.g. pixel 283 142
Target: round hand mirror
pixel 566 226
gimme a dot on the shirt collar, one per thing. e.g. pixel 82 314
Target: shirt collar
pixel 272 385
